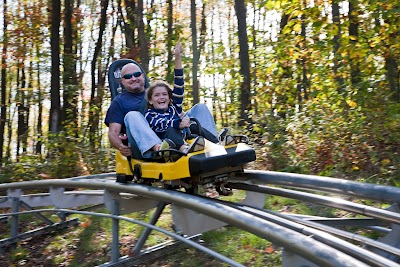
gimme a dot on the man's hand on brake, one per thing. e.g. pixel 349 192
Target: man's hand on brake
pixel 125 150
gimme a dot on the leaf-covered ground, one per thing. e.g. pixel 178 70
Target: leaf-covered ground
pixel 88 244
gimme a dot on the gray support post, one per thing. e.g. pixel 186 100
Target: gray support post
pixel 115 232
pixel 146 232
pixel 62 216
pixel 392 238
pixel 14 217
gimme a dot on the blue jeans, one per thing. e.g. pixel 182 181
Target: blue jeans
pixel 204 116
pixel 142 138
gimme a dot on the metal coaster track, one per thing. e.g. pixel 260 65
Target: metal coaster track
pixel 315 239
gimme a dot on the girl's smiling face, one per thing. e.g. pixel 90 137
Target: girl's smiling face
pixel 160 98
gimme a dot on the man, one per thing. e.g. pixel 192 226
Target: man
pixel 126 111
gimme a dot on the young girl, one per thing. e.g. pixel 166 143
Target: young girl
pixel 165 114
pixel 167 119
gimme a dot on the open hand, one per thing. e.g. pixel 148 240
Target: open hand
pixel 178 49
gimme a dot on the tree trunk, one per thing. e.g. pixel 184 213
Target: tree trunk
pixel 392 60
pixel 336 45
pixel 142 36
pixel 129 23
pixel 393 75
pixel 3 109
pixel 54 123
pixel 70 95
pixel 203 29
pixel 22 129
pixel 169 38
pixel 195 65
pixel 9 121
pixel 28 102
pixel 240 9
pixel 224 107
pixel 255 68
pixel 214 64
pixel 95 102
pixel 353 33
pixel 232 93
pixel 38 148
pixel 302 80
pixel 286 74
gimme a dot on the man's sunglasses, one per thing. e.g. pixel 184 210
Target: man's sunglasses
pixel 129 75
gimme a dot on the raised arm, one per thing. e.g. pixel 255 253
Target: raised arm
pixel 178 55
pixel 178 80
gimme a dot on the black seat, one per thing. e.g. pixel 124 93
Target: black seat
pixel 114 76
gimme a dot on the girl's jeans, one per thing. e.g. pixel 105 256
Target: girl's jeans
pixel 142 138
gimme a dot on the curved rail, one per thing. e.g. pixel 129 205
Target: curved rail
pixel 311 249
pixel 311 240
pixel 363 255
pixel 327 184
pixel 329 202
pixel 322 200
pixel 153 227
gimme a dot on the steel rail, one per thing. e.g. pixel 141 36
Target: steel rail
pixel 333 185
pixel 338 232
pixel 308 248
pixel 386 215
pixel 362 254
pixel 148 225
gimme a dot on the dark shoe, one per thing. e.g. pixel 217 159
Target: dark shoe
pixel 222 134
pixel 228 140
pixel 196 145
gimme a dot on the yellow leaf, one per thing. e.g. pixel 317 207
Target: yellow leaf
pixel 297 27
pixel 297 13
pixel 370 58
pixel 351 103
pixel 354 54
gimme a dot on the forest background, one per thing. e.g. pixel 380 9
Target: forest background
pixel 314 83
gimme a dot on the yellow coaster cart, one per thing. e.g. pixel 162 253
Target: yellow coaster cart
pixel 209 168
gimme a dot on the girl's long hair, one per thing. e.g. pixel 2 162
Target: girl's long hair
pixel 153 85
